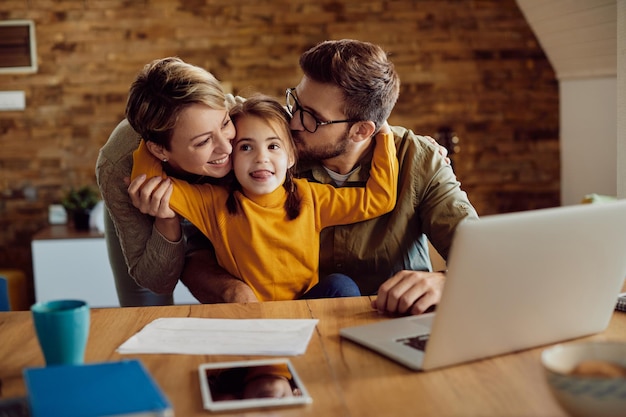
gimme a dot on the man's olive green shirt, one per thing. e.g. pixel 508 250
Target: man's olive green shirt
pixel 430 205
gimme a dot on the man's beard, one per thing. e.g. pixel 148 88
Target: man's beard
pixel 321 153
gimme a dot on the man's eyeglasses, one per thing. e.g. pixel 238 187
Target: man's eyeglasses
pixel 308 120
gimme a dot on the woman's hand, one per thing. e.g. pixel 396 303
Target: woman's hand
pixel 152 196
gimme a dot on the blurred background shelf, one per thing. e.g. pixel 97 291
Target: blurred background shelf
pixel 74 264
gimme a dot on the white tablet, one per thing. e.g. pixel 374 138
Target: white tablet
pixel 251 384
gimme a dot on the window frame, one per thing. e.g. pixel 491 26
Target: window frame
pixel 32 48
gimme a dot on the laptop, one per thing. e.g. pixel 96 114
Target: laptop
pixel 515 281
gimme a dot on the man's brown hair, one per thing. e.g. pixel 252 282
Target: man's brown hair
pixel 362 70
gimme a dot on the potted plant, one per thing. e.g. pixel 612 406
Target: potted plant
pixel 78 203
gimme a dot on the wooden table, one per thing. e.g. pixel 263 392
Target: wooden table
pixel 344 379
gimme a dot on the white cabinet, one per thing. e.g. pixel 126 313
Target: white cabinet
pixel 72 264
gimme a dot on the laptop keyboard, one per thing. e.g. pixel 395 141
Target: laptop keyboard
pixel 416 342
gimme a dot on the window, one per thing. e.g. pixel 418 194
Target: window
pixel 17 47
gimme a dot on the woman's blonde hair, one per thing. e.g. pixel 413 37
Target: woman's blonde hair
pixel 164 88
pixel 269 109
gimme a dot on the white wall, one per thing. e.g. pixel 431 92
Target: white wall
pixel 588 138
pixel 579 38
pixel 593 129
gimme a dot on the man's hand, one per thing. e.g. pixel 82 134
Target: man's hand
pixel 410 292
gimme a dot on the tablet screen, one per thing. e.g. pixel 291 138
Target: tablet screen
pixel 251 384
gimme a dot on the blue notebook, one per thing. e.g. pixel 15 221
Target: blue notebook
pixel 95 390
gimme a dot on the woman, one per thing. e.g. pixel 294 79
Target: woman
pixel 154 248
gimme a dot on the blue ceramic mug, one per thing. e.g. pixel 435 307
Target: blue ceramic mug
pixel 62 328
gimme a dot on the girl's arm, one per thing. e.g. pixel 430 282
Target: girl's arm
pixel 350 205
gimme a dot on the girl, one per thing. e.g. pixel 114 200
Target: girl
pixel 265 225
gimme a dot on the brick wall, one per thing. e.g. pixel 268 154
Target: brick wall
pixel 472 68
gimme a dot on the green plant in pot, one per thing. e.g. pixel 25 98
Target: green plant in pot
pixel 78 203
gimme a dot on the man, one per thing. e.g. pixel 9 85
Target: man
pixel 347 92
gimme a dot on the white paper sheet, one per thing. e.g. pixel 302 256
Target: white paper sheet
pixel 198 336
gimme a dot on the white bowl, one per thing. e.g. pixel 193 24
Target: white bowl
pixel 586 396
